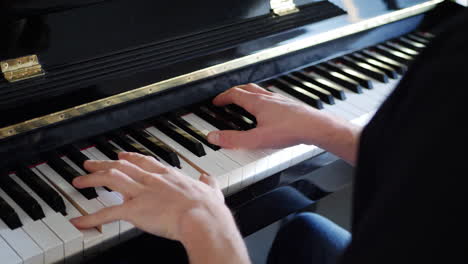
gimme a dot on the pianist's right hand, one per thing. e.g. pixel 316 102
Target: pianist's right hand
pixel 164 202
pixel 282 122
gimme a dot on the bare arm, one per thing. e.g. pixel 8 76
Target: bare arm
pixel 283 122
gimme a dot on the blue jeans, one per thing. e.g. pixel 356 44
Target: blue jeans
pixel 309 238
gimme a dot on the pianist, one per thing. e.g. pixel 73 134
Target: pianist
pixel 409 188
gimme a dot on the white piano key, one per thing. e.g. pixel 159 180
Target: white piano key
pixel 22 244
pixel 387 88
pixel 210 167
pixel 92 240
pixel 361 101
pixel 112 231
pixel 50 244
pixel 127 229
pixel 235 180
pixel 7 254
pixel 71 237
pixel 236 168
pixel 251 160
pixel 96 154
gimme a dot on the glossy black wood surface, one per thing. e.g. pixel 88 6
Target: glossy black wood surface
pixel 28 144
pixel 114 48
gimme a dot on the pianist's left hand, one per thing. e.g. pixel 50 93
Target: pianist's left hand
pixel 162 201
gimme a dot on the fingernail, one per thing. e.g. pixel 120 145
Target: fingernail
pixel 74 221
pixel 213 138
pixel 76 181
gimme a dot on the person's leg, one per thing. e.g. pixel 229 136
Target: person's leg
pixel 309 238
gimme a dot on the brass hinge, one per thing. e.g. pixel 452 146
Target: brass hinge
pixel 21 68
pixel 283 7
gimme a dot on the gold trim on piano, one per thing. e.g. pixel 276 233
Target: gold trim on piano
pixel 21 68
pixel 217 69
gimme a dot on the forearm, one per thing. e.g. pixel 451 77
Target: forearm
pixel 211 240
pixel 335 135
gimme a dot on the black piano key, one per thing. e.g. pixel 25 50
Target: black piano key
pixel 389 71
pixel 335 77
pixel 21 197
pixel 323 94
pixel 319 81
pixel 187 127
pixel 405 55
pixel 68 173
pixel 408 44
pixel 155 145
pixel 392 54
pixel 42 189
pixel 236 119
pixel 364 82
pixel 424 34
pixel 411 43
pixel 364 68
pixel 243 112
pixel 248 122
pixel 8 215
pixel 337 92
pixel 74 154
pixel 418 39
pixel 298 92
pixel 399 67
pixel 128 145
pixel 103 145
pixel 214 119
pixel 180 136
pixel 406 50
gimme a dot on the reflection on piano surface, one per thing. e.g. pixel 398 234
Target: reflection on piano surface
pixel 37 198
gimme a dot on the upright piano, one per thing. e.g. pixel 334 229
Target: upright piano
pixel 87 79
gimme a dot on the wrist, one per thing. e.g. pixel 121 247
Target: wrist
pixel 210 238
pixel 335 135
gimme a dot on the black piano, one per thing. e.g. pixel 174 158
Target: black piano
pixel 87 79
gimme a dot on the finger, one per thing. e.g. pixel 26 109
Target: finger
pixel 101 217
pixel 253 88
pixel 240 97
pixel 147 163
pixel 213 183
pixel 236 139
pixel 113 178
pixel 130 169
pixel 209 180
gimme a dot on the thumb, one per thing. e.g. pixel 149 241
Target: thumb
pixel 235 139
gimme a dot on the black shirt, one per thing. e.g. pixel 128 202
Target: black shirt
pixel 410 193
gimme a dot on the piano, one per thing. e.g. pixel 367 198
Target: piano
pixel 87 79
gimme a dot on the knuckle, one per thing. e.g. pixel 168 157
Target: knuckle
pixel 147 179
pixel 165 170
pixel 113 172
pixel 122 163
pixel 149 159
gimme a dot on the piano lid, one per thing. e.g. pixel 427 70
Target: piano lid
pixel 64 32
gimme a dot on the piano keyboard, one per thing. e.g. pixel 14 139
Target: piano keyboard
pixel 37 199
